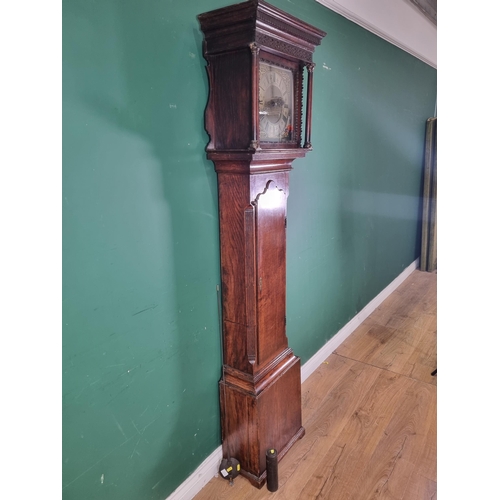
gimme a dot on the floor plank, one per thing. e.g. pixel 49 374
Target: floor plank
pixel 400 446
pixel 420 488
pixel 400 335
pixel 363 433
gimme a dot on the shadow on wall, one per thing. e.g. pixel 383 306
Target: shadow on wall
pixel 136 75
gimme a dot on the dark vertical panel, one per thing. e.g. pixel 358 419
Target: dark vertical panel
pixel 234 79
pixel 428 247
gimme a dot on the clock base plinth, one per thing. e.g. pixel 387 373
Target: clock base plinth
pixel 263 414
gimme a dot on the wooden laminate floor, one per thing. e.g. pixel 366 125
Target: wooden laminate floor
pixel 369 412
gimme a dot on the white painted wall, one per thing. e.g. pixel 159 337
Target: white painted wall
pixel 397 21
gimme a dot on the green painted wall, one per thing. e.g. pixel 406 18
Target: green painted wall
pixel 141 351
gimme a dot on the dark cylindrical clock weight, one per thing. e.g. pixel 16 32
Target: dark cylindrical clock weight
pixel 272 469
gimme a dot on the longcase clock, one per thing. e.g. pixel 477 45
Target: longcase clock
pixel 256 56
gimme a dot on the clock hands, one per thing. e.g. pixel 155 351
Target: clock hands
pixel 271 104
pixel 275 101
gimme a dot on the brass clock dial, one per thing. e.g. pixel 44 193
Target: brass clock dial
pixel 275 103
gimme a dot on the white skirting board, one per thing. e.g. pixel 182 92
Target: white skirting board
pixel 210 466
pixel 199 478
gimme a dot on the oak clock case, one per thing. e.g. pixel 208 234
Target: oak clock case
pixel 257 57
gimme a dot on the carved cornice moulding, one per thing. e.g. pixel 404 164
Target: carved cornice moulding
pixel 396 21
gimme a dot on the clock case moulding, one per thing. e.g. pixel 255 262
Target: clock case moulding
pixel 260 393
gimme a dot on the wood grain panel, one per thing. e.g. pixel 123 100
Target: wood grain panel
pixel 271 271
pixel 234 194
pixel 420 488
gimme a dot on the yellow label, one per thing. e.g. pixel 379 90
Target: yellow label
pixel 238 467
pixel 229 469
